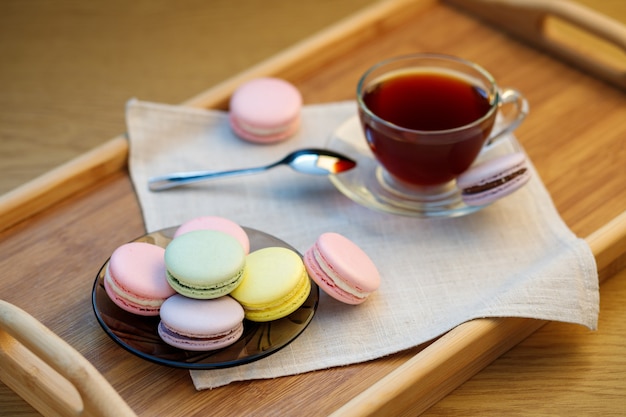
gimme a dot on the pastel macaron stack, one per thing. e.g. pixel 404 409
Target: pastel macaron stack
pixel 135 278
pixel 186 283
pixel 205 283
pixel 341 268
pixel 204 264
pixel 265 110
pixel 491 180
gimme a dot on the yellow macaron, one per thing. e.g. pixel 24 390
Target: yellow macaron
pixel 275 284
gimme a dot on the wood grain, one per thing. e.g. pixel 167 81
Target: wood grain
pixel 560 370
pixel 69 67
pixel 68 62
pixel 573 33
pixel 52 376
pixel 578 150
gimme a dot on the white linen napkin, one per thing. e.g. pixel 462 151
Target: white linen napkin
pixel 515 258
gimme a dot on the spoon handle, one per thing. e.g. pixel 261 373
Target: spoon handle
pixel 177 179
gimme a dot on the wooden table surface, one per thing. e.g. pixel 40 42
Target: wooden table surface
pixel 71 68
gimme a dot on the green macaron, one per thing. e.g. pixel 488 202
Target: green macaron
pixel 204 264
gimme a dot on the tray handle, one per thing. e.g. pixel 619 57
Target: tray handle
pixel 572 32
pixel 49 374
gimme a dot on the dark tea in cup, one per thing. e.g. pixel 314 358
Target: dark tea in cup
pixel 427 101
pixel 427 117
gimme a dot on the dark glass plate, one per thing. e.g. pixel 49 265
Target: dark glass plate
pixel 138 334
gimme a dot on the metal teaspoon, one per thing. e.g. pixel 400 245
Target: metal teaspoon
pixel 309 161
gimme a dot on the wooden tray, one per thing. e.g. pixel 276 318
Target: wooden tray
pixel 73 217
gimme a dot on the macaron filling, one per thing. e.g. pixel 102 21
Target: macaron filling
pixel 129 299
pixel 190 341
pixel 334 279
pixel 281 307
pixel 262 130
pixel 495 181
pixel 221 288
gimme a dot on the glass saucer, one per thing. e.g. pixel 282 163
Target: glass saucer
pixel 138 334
pixel 369 184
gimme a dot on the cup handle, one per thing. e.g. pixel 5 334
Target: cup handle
pixel 512 118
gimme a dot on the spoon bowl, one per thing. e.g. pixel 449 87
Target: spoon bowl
pixel 312 161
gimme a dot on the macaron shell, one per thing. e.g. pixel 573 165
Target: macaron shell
pixel 204 264
pixel 135 278
pixel 265 110
pixel 221 224
pixel 342 269
pixel 193 324
pixel 123 302
pixel 494 179
pixel 275 284
pixel 245 133
pixel 349 261
pixel 198 344
pixel 326 283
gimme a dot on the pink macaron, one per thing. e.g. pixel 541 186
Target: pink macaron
pixel 341 269
pixel 135 278
pixel 220 224
pixel 265 110
pixel 200 325
pixel 493 179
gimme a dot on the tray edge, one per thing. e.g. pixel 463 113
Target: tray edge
pixel 85 170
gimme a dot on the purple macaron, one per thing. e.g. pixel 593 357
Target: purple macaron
pixel 493 179
pixel 200 325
